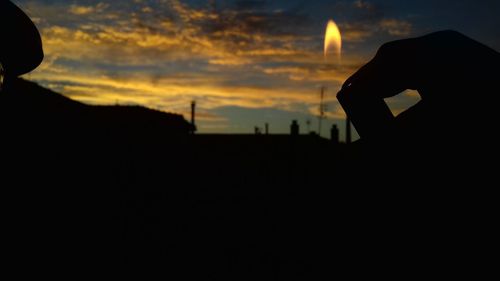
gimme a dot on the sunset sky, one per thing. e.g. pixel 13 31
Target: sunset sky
pixel 244 62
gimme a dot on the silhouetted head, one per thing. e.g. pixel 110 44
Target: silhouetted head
pixel 20 43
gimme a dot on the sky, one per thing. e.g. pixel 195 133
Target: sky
pixel 245 62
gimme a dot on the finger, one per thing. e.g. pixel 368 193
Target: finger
pixel 362 96
pixel 390 72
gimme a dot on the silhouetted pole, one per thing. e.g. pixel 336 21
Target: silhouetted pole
pixel 267 128
pixel 334 134
pixel 348 130
pixel 294 128
pixel 193 112
pixel 193 117
pixel 321 110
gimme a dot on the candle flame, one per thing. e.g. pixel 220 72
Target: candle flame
pixel 333 39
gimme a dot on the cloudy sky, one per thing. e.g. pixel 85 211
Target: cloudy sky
pixel 245 62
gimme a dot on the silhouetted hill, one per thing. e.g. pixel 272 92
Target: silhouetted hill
pixel 141 119
pixel 31 105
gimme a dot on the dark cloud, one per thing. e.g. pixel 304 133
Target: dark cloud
pixel 259 21
pixel 250 4
pixel 361 20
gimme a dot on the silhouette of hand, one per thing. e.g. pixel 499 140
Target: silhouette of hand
pixel 451 72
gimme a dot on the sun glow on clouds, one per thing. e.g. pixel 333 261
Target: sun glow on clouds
pixel 165 53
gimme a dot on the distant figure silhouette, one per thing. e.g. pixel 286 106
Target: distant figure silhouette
pixel 21 46
pixel 456 77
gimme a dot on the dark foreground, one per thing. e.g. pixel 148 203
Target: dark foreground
pixel 100 197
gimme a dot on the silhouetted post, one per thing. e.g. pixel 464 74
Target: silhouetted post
pixel 267 128
pixel 321 110
pixel 193 116
pixel 348 130
pixel 193 112
pixel 334 133
pixel 294 128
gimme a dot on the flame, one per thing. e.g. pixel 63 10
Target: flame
pixel 333 39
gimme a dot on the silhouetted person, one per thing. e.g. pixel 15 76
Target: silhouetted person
pixel 294 128
pixel 334 134
pixel 451 130
pixel 430 168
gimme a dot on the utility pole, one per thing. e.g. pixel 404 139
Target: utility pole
pixel 193 116
pixel 321 109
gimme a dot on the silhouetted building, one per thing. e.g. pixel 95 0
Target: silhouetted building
pixel 294 128
pixel 257 130
pixel 334 134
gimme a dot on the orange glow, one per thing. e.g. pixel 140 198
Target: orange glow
pixel 333 39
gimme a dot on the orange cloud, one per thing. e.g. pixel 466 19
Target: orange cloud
pixel 81 10
pixel 86 10
pixel 217 58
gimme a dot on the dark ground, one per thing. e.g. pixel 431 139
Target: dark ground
pixel 86 190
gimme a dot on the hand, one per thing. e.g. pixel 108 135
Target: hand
pixel 453 74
